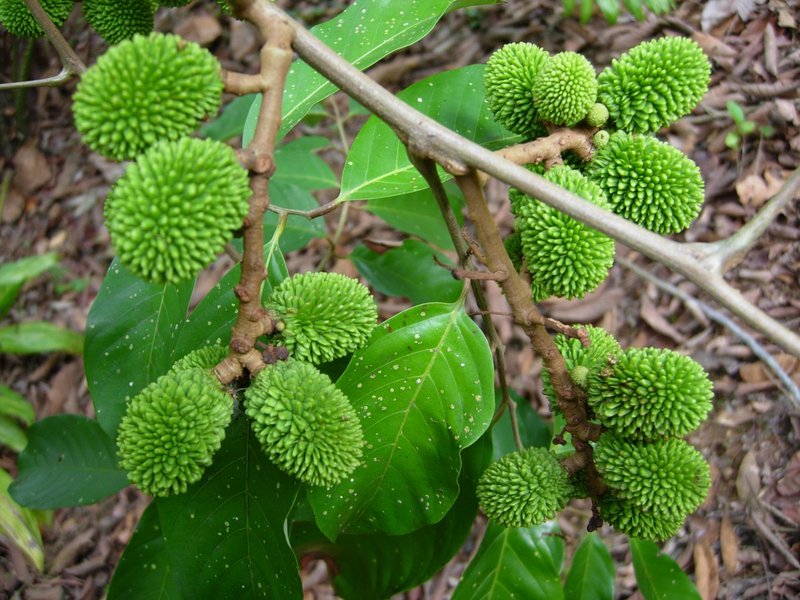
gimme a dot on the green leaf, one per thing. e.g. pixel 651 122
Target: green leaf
pixel 228 531
pixel 19 525
pixel 144 571
pixel 635 8
pixel 587 7
pixel 418 214
pixel 14 274
pixel 362 34
pixel 569 7
pixel 408 271
pixel 69 461
pixel 377 566
pixel 735 111
pixel 298 164
pixel 610 10
pixel 591 576
pixel 377 165
pixel 14 405
pixel 533 430
pixel 423 389
pixel 230 123
pixel 130 339
pixel 299 230
pixel 38 337
pixel 660 7
pixel 11 434
pixel 732 140
pixel 515 563
pixel 658 576
pixel 212 319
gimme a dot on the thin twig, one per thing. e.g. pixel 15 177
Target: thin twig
pixel 723 255
pixel 793 392
pixel 70 61
pixel 428 138
pixel 427 169
pixel 314 213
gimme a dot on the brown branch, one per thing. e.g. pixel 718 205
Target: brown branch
pixel 314 213
pixel 71 62
pixel 430 139
pixel 241 83
pixel 252 320
pixel 723 255
pixel 571 399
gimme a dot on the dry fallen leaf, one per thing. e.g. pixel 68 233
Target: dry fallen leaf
pixel 706 571
pixel 748 481
pixel 754 191
pixel 201 28
pixel 716 11
pixel 652 316
pixel 31 169
pixel 729 546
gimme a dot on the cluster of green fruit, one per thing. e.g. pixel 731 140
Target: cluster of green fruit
pixel 645 399
pixel 631 173
pixel 181 201
pixel 306 425
pixel 113 20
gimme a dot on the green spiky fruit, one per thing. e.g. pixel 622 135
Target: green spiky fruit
pixel 324 315
pixel 508 79
pixel 18 20
pixel 172 212
pixel 651 393
pixel 175 3
pixel 564 257
pixel 582 359
pixel 146 90
pixel 597 115
pixel 565 89
pixel 513 246
pixel 648 182
pixel 171 431
pixel 666 477
pixel 654 84
pixel 117 21
pixel 627 518
pixel 305 424
pixel 206 357
pixel 524 488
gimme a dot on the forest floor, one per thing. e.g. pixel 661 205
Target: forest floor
pixel 744 542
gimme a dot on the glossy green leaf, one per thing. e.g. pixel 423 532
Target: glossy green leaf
pixel 299 230
pixel 130 339
pixel 69 461
pixel 11 434
pixel 362 34
pixel 513 563
pixel 226 535
pixel 377 566
pixel 14 274
pixel 230 123
pixel 19 525
pixel 418 214
pixel 212 319
pixel 37 337
pixel 533 430
pixel 591 576
pixel 423 389
pixel 144 571
pixel 587 7
pixel 297 163
pixel 658 576
pixel 660 7
pixel 409 271
pixel 14 405
pixel 377 165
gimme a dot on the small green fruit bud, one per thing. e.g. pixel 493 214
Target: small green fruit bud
pixel 565 89
pixel 597 115
pixel 18 20
pixel 117 20
pixel 600 139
